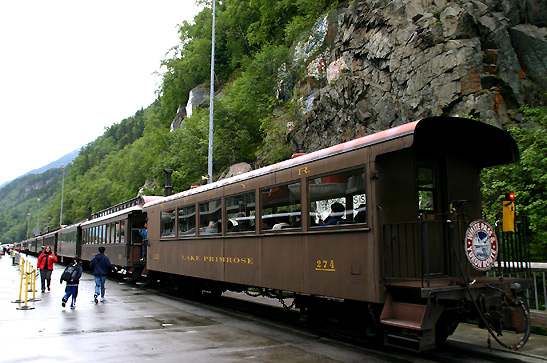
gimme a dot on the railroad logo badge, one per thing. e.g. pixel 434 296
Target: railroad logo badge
pixel 481 245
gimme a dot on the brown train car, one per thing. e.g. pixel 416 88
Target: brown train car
pixel 374 227
pixel 46 239
pixel 117 230
pixel 69 242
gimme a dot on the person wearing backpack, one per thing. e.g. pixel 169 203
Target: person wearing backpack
pixel 45 264
pixel 101 267
pixel 72 282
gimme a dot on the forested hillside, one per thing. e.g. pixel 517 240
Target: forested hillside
pixel 270 65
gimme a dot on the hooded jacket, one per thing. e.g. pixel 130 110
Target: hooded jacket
pixel 101 265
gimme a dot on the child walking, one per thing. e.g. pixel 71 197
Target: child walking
pixel 71 289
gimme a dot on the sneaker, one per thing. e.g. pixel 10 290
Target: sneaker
pixel 95 298
pixel 73 306
pixel 63 302
pixel 48 288
pixel 103 299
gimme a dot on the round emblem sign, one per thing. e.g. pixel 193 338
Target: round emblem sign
pixel 481 245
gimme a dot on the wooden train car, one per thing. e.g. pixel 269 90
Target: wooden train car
pixel 117 229
pixel 46 239
pixel 69 243
pixel 376 225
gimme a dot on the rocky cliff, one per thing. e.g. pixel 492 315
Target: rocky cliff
pixel 380 63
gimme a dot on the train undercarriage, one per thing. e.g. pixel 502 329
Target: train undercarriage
pixel 413 317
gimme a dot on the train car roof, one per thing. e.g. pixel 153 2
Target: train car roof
pixel 127 211
pixel 487 145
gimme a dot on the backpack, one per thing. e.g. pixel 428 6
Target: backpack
pixel 68 273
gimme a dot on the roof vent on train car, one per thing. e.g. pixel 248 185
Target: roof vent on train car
pixel 168 186
pixel 297 155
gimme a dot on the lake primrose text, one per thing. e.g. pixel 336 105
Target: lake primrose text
pixel 221 259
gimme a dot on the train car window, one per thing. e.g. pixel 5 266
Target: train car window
pixel 107 233
pixel 338 199
pixel 112 236
pixel 240 213
pixel 426 189
pixel 281 206
pixel 187 221
pixel 117 232
pixel 122 232
pixel 210 217
pixel 168 223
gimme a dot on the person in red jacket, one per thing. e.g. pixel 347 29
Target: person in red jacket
pixel 45 264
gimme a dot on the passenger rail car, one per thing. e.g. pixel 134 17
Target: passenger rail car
pixel 69 243
pixel 46 239
pixel 117 229
pixel 376 225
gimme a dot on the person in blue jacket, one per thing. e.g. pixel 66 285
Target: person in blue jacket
pixel 71 289
pixel 101 267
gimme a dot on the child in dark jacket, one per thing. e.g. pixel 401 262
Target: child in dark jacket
pixel 71 289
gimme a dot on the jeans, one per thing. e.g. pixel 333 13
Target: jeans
pixel 71 291
pixel 99 285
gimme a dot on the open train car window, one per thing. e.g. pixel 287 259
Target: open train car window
pixel 281 206
pixel 338 198
pixel 210 217
pixel 117 235
pixel 240 213
pixel 187 221
pixel 168 223
pixel 426 189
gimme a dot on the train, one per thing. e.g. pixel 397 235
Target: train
pixel 382 234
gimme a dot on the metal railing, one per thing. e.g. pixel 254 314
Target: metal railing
pixel 419 251
pixel 537 299
pixel 434 247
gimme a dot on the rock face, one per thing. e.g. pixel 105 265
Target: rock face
pixel 198 97
pixel 384 63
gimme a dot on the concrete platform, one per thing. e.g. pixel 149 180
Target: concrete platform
pixel 134 324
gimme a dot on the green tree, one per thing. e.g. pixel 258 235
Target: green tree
pixel 527 179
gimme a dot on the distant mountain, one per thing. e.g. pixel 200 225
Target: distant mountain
pixel 64 160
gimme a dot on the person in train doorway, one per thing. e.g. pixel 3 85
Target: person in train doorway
pixel 71 290
pixel 45 264
pixel 144 239
pixel 101 267
pixel 336 213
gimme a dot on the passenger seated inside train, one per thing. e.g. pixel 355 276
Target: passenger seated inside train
pixel 337 211
pixel 211 228
pixel 361 216
pixel 243 224
pixel 267 223
pixel 297 220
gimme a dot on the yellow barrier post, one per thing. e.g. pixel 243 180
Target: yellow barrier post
pixel 20 285
pixel 31 278
pixel 26 307
pixel 33 284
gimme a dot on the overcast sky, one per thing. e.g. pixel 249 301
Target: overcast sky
pixel 70 68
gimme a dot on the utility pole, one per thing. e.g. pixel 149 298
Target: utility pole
pixel 62 196
pixel 211 102
pixel 38 221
